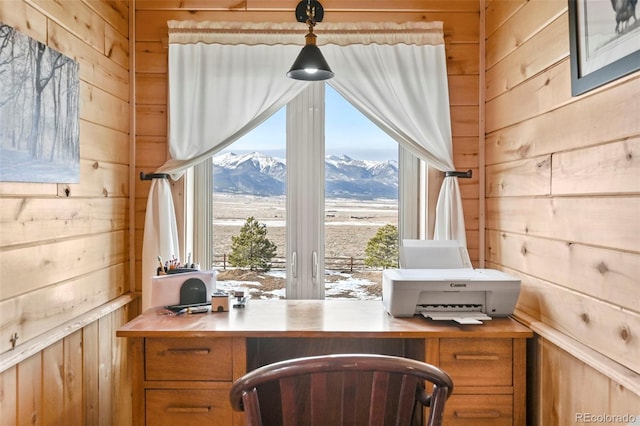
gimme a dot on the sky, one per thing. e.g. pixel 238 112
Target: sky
pixel 344 125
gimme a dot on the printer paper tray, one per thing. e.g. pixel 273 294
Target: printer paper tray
pixel 459 317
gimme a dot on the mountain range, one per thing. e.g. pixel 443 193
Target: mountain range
pixel 260 174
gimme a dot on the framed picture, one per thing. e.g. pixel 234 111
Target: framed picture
pixel 39 111
pixel 604 40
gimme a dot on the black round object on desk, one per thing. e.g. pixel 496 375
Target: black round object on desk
pixel 193 291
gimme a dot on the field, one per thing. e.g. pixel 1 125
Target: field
pixel 349 225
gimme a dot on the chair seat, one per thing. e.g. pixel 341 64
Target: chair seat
pixel 345 389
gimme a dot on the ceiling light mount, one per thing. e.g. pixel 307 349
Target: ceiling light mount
pixel 310 65
pixel 309 9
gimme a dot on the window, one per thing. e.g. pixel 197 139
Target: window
pixel 415 111
pixel 305 255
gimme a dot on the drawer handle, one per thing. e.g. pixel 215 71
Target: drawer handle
pixel 477 414
pixel 476 357
pixel 194 351
pixel 201 409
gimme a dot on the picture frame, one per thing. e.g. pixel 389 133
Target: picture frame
pixel 39 111
pixel 604 42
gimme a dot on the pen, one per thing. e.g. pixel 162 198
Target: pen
pixel 193 310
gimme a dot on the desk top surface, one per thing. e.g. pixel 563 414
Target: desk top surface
pixel 311 318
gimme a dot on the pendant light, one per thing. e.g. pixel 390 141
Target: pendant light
pixel 310 65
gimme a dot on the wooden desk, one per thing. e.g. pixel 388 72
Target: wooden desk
pixel 184 366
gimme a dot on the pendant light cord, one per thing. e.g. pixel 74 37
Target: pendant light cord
pixel 311 16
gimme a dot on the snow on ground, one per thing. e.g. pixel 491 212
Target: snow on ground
pixel 341 286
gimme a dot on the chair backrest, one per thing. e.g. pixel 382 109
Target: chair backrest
pixel 345 389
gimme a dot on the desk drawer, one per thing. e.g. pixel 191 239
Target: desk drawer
pixel 479 410
pixel 200 359
pixel 477 362
pixel 188 407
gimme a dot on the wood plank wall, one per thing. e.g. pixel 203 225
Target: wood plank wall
pixel 562 188
pixel 563 211
pixel 461 27
pixel 64 257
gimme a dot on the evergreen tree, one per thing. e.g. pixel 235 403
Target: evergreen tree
pixel 252 248
pixel 382 248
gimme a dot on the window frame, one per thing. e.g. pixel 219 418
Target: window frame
pixel 418 186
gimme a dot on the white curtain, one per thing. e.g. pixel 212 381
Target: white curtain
pixel 227 78
pixel 217 94
pixel 403 89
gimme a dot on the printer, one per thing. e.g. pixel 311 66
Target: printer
pixel 465 295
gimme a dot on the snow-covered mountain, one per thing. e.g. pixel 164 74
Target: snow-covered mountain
pixel 259 174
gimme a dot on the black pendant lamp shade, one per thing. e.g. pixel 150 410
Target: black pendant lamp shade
pixel 310 65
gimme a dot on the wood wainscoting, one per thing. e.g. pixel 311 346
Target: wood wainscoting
pixel 78 373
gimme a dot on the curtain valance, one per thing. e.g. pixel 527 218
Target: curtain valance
pixel 340 34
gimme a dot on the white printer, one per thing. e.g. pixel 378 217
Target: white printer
pixel 437 280
pixel 464 295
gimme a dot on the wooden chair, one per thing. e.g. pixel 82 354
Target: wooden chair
pixel 346 389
